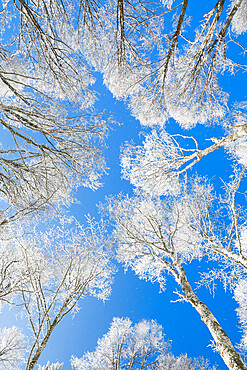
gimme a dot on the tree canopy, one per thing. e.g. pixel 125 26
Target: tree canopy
pixel 139 346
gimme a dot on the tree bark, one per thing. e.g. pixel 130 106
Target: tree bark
pixel 228 353
pixel 34 360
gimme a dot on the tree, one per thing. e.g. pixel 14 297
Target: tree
pixel 53 138
pixel 12 348
pixel 163 70
pixel 48 273
pixel 49 366
pixel 158 164
pixel 139 346
pixel 158 235
pixel 169 211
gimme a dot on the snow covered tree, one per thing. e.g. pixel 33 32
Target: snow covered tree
pixel 12 348
pixel 49 366
pixel 149 54
pixel 45 74
pixel 156 166
pixel 53 139
pixel 139 346
pixel 159 235
pixel 48 273
pixel 189 218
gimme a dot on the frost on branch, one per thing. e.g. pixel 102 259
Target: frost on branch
pixel 120 39
pixel 45 49
pixel 177 93
pixel 48 273
pixel 158 235
pixel 240 295
pixel 146 107
pixel 237 122
pixel 124 345
pixel 12 348
pixel 240 292
pixel 141 345
pixel 167 3
pixel 53 137
pixel 157 166
pixel 68 261
pixel 186 85
pixel 119 46
pixel 182 362
pixel 35 174
pixel 151 232
pixel 239 22
pixel 189 99
pixel 172 76
pixel 48 366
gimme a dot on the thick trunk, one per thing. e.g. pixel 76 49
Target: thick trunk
pixel 228 353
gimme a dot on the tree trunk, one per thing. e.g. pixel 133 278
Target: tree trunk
pixel 228 353
pixel 34 360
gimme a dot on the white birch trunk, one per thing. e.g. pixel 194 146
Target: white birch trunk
pixel 228 353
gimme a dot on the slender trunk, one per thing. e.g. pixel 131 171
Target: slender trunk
pixel 34 360
pixel 228 353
